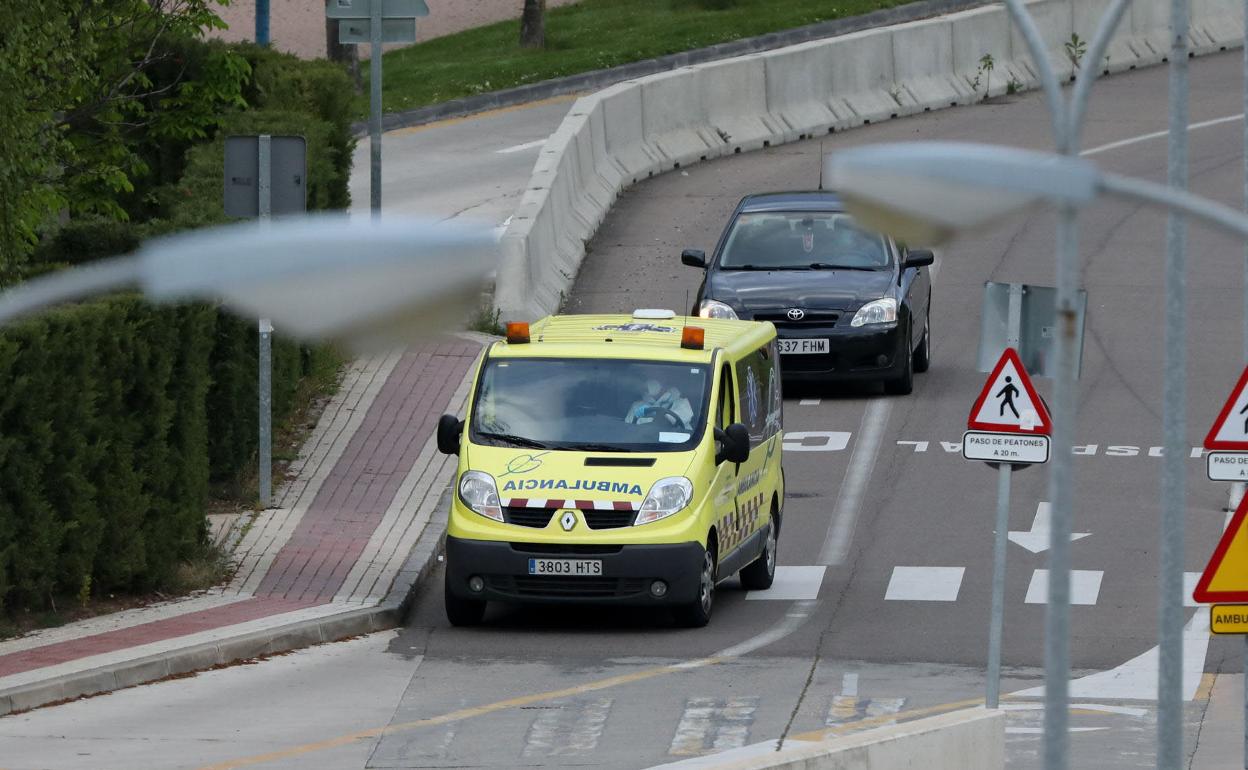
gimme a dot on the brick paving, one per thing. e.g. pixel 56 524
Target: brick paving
pixel 332 534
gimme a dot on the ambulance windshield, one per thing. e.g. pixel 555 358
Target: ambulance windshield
pixel 596 405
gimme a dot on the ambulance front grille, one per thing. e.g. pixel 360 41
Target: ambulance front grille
pixel 609 519
pixel 561 586
pixel 536 518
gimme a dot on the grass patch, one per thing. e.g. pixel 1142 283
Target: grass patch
pixel 590 35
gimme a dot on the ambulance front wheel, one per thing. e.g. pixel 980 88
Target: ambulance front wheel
pixel 461 612
pixel 698 612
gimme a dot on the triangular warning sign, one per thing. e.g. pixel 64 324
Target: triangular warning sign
pixel 1226 577
pixel 1008 403
pixel 1230 430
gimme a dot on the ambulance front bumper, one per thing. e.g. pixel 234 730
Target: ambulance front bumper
pixel 629 573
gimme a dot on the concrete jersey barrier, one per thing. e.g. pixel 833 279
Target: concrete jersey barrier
pixel 636 129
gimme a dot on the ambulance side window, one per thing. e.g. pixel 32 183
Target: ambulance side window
pixel 755 378
pixel 726 405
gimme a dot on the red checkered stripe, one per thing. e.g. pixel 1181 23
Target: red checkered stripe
pixel 738 525
pixel 580 505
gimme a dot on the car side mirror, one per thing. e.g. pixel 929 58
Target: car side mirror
pixel 734 444
pixel 693 258
pixel 920 258
pixel 450 428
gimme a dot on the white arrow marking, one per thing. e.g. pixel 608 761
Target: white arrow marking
pixel 1037 540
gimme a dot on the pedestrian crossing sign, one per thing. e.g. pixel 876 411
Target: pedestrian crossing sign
pixel 1009 403
pixel 1230 430
pixel 1226 577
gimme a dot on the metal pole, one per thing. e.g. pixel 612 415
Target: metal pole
pixel 265 385
pixel 374 114
pixel 262 22
pixel 1170 681
pixel 993 697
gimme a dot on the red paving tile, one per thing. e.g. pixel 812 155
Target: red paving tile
pixel 336 527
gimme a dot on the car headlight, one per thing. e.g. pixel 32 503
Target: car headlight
pixel 480 493
pixel 880 311
pixel 714 309
pixel 667 496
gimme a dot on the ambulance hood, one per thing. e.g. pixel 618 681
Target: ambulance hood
pixel 558 478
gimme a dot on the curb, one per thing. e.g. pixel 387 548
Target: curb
pixel 390 613
pixel 598 79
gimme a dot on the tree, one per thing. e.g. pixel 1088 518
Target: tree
pixel 90 91
pixel 533 24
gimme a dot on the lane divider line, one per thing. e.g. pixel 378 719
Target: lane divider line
pixel 533 145
pixel 1157 135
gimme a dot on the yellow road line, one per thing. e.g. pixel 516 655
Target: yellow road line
pixel 462 714
pixel 901 716
pixel 1206 686
pixel 486 114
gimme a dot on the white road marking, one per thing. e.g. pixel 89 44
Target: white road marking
pixel 1158 135
pixel 1130 711
pixel 925 584
pixel 1137 678
pixel 1190 579
pixel 792 583
pixel 1037 539
pixel 827 441
pixel 568 729
pixel 849 684
pixel 522 147
pixel 713 724
pixel 849 500
pixel 1040 730
pixel 1085 586
pixel 809 402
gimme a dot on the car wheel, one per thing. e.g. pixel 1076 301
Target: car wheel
pixel 923 356
pixel 461 612
pixel 698 612
pixel 903 384
pixel 759 574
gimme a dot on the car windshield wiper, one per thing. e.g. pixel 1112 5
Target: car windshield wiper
pixel 827 266
pixel 745 267
pixel 510 438
pixel 590 447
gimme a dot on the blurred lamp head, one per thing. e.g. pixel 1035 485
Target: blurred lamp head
pixel 925 192
pixel 370 284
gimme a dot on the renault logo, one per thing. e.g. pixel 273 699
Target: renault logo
pixel 567 521
pixel 796 314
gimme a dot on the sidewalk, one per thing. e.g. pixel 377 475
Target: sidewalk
pixel 1220 742
pixel 350 535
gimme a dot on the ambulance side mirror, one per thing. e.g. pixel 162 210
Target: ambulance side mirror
pixel 734 444
pixel 449 429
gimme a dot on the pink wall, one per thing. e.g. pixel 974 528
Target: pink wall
pixel 298 26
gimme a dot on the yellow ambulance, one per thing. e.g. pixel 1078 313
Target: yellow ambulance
pixel 616 459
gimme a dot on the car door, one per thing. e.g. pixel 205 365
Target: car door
pixel 755 376
pixel 915 293
pixel 724 487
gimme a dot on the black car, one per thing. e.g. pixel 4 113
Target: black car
pixel 848 304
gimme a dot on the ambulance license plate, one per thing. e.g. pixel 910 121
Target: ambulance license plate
pixel 572 567
pixel 804 346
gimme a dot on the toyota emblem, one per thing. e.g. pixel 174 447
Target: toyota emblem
pixel 796 314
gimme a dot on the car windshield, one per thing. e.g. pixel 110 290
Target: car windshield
pixel 802 240
pixel 599 405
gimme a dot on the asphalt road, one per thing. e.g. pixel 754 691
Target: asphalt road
pixel 894 527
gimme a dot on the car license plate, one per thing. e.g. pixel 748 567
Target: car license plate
pixel 804 346
pixel 573 567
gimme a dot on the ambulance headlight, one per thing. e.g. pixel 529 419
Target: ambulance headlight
pixel 881 311
pixel 480 493
pixel 712 309
pixel 667 496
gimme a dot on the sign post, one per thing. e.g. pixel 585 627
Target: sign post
pixel 265 175
pixel 375 22
pixel 1008 428
pixel 1225 579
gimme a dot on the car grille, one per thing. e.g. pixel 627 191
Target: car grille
pixel 537 586
pixel 537 518
pixel 812 318
pixel 609 519
pixel 566 549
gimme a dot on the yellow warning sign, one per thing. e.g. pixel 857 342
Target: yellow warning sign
pixel 1226 577
pixel 1228 619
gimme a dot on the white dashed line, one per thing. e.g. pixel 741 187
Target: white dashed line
pixel 1085 586
pixel 792 583
pixel 925 584
pixel 522 147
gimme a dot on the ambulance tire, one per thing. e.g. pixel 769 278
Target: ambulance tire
pixel 759 574
pixel 697 613
pixel 462 612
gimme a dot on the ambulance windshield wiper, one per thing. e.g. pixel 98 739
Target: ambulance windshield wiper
pixel 516 440
pixel 574 447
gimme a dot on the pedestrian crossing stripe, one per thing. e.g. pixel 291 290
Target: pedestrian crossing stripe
pixel 735 527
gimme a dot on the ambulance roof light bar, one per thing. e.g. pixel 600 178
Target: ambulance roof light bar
pixel 653 314
pixel 517 332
